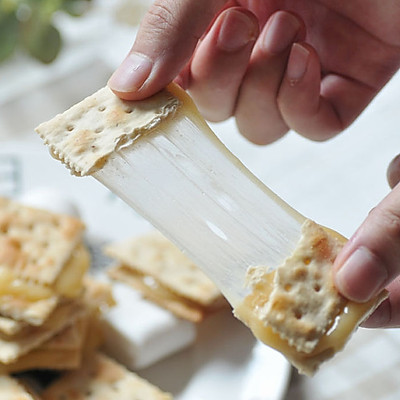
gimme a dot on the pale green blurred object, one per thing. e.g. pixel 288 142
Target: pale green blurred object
pixel 28 25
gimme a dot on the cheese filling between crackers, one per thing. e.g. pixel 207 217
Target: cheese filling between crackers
pixel 163 274
pixel 296 308
pixel 68 283
pixel 84 136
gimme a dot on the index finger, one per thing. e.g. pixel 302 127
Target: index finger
pixel 164 44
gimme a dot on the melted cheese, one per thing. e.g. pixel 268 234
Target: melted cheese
pixel 13 286
pixel 68 284
pixel 333 341
pixel 346 319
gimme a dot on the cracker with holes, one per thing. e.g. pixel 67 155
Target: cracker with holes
pixel 41 253
pixel 36 244
pixel 102 378
pixel 304 302
pixel 73 329
pixel 296 309
pixel 23 311
pixel 61 340
pixel 85 135
pixel 156 267
pixel 42 259
pixel 48 306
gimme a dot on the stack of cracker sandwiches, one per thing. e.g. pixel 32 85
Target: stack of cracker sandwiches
pixel 51 312
pixel 154 266
pixel 48 306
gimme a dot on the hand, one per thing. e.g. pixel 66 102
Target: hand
pixel 370 261
pixel 312 66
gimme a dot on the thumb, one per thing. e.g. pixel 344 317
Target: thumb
pixel 371 258
pixel 164 44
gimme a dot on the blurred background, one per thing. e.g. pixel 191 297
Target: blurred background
pixel 55 52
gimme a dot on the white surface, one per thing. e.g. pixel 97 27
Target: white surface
pixel 49 199
pixel 223 366
pixel 139 333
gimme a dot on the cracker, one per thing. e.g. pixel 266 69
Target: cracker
pixel 12 389
pixel 25 311
pixel 60 352
pixel 97 295
pixel 86 134
pixel 45 359
pixel 65 314
pixel 70 338
pixel 10 327
pixel 304 301
pixel 153 291
pixel 156 256
pixel 296 308
pixel 102 378
pixel 82 335
pixel 35 244
pixel 16 313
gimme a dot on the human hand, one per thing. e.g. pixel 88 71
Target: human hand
pixel 311 66
pixel 370 261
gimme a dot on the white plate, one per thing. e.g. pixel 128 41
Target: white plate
pixel 226 362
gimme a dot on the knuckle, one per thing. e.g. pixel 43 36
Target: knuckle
pixel 161 17
pixel 388 219
pixel 166 22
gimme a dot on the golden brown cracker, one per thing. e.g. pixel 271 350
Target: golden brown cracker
pixel 296 309
pixel 304 301
pixel 36 244
pixel 25 311
pixel 154 255
pixel 151 290
pixel 63 315
pixel 102 378
pixel 86 134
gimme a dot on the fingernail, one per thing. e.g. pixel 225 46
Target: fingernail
pixel 280 32
pixel 393 172
pixel 297 64
pixel 131 74
pixel 236 31
pixel 361 276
